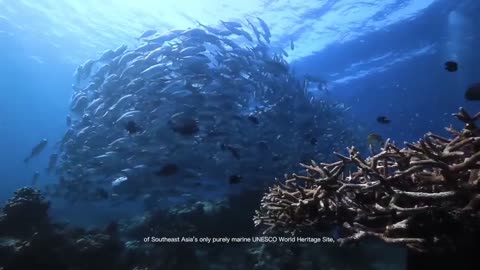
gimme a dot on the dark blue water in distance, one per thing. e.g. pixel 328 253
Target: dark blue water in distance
pixel 377 58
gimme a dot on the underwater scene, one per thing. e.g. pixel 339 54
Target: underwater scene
pixel 257 135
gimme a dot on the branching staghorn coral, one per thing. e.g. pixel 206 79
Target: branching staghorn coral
pixel 424 196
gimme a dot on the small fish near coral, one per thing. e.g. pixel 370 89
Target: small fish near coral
pixel 451 66
pixel 383 120
pixel 235 179
pixel 473 92
pixel 132 128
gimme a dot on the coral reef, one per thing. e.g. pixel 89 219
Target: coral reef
pixel 24 213
pixel 61 246
pixel 229 218
pixel 425 196
pixel 29 239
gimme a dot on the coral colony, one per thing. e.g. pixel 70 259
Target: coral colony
pixel 425 196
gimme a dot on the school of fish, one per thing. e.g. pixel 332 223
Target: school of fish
pixel 187 109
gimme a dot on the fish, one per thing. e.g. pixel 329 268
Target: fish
pixel 127 57
pixel 79 104
pixel 156 53
pixel 66 136
pixel 254 29
pixel 265 28
pixel 184 125
pixel 107 55
pixel 147 33
pixel 235 179
pixel 107 155
pixel 161 38
pixel 231 24
pixel 117 141
pixel 93 103
pixel 240 32
pixel 473 92
pixel 120 101
pixel 233 150
pixel 52 163
pixel 153 71
pixel 36 150
pixel 126 115
pixel 190 51
pixel 86 68
pixel 227 88
pixel 230 43
pixel 132 128
pixel 195 59
pixel 451 66
pixel 383 120
pixel 35 177
pixel 292 45
pixel 68 120
pixel 120 49
pixel 374 139
pixel 209 28
pixel 168 169
pixel 246 35
pixel 99 109
pixel 119 181
pixel 193 33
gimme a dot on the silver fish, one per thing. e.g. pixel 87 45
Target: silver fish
pixel 52 162
pixel 265 28
pixel 127 57
pixel 93 103
pixel 159 39
pixel 156 53
pixel 231 24
pixel 99 109
pixel 68 134
pixel 121 49
pixel 194 32
pixel 122 99
pixel 87 67
pixel 190 51
pixel 126 115
pixel 107 55
pixel 80 104
pixel 210 29
pixel 255 30
pixel 117 141
pixel 153 70
pixel 37 149
pixel 147 33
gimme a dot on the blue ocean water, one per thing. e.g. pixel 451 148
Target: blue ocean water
pixel 377 57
